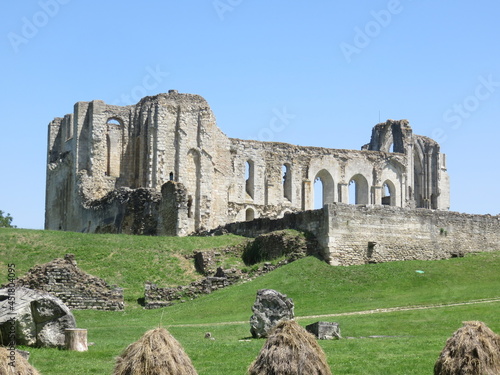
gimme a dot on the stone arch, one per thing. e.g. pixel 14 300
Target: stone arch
pixel 328 188
pixel 388 193
pixel 358 190
pixel 114 146
pixel 249 214
pixel 287 181
pixel 250 178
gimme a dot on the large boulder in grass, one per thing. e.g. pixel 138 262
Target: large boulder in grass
pixel 38 317
pixel 270 308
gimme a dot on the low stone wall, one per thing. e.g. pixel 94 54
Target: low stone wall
pixel 77 289
pixel 155 297
pixel 361 234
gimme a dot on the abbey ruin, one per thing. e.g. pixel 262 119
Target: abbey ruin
pixel 163 167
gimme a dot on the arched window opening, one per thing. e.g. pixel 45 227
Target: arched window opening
pixel 324 189
pixel 391 147
pixel 318 193
pixel 171 176
pixel 388 194
pixel 114 134
pixel 352 192
pixel 249 214
pixel 287 181
pixel 249 178
pixel 114 121
pixel 358 190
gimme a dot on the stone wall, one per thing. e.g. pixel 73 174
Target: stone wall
pixel 371 234
pixel 360 234
pixel 77 289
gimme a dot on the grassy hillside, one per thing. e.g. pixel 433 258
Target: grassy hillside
pixel 316 288
pixel 126 261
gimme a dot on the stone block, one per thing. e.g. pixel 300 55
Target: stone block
pixel 325 330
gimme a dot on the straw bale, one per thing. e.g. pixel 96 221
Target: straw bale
pixel 290 350
pixel 157 352
pixel 474 349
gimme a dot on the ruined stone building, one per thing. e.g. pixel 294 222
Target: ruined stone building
pixel 163 167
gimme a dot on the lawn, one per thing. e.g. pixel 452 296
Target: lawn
pixel 415 340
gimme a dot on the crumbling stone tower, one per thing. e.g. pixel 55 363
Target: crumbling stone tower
pixel 163 166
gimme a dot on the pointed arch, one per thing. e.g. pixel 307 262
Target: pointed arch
pixel 358 190
pixel 388 193
pixel 327 191
pixel 249 214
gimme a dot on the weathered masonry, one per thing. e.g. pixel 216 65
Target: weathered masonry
pixel 360 234
pixel 163 167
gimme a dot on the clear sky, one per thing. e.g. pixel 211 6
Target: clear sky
pixel 327 70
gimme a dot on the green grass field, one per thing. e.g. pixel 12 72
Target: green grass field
pixel 416 336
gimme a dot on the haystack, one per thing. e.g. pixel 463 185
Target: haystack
pixel 157 352
pixel 22 367
pixel 290 350
pixel 473 349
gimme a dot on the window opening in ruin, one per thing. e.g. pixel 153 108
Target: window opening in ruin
pixel 391 147
pixel 370 250
pixel 318 193
pixel 388 198
pixel 249 214
pixel 352 192
pixel 358 190
pixel 324 189
pixel 113 147
pixel 114 121
pixel 249 178
pixel 171 176
pixel 287 181
pixel 108 155
pixel 190 206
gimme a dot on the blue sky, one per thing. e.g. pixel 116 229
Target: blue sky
pixel 328 70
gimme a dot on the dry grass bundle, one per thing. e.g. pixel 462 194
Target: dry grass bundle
pixel 290 350
pixel 157 352
pixel 473 349
pixel 22 367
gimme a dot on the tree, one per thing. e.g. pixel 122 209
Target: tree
pixel 6 220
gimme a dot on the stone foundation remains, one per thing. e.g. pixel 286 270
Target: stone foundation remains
pixel 77 289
